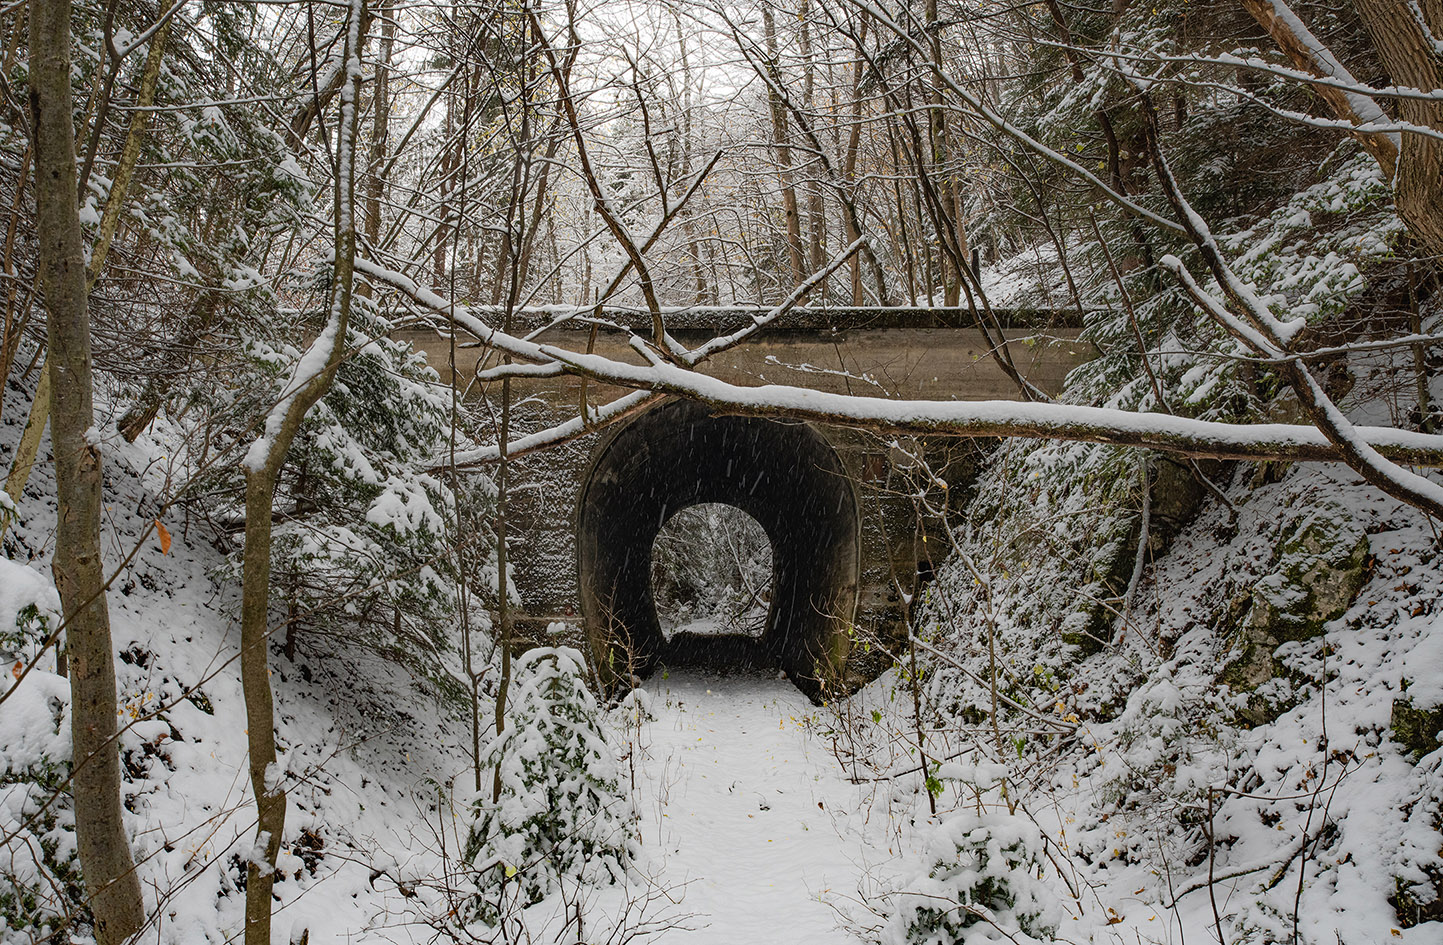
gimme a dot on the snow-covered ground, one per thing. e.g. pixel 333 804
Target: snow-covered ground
pixel 751 827
pixel 764 818
pixel 748 805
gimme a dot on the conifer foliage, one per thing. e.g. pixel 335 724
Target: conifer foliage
pixel 981 886
pixel 561 815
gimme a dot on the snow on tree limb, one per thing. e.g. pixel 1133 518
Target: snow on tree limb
pixel 1173 434
pixel 313 372
pixel 307 370
pixel 1271 336
pixel 1344 95
pixel 1203 438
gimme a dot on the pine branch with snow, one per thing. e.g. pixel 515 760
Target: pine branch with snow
pixel 980 884
pixel 561 816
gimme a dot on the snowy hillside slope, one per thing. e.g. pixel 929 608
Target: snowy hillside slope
pixel 1295 789
pixel 1222 708
pixel 1191 777
pixel 749 824
pixel 364 745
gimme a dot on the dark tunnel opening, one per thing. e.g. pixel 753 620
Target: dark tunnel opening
pixel 784 475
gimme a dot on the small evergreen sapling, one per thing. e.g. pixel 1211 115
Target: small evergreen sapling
pixel 562 815
pixel 980 885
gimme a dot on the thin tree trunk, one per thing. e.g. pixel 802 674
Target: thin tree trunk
pixel 97 109
pixel 816 210
pixel 12 43
pixel 784 158
pixel 688 224
pixel 538 207
pixel 14 325
pixel 104 850
pixel 256 689
pixel 380 133
pixel 29 446
pixel 443 213
pixel 941 159
pixel 130 154
pixel 262 466
pixel 849 173
pixel 503 603
pixel 1421 374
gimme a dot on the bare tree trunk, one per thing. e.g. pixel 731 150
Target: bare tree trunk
pixel 688 224
pixel 13 324
pixel 256 688
pixel 12 42
pixel 538 207
pixel 448 165
pixel 130 153
pixel 941 159
pixel 816 209
pixel 29 446
pixel 503 587
pixel 784 157
pixel 262 466
pixel 102 89
pixel 105 860
pixel 849 171
pixel 380 134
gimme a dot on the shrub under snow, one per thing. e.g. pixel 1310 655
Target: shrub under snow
pixel 562 815
pixel 980 885
pixel 40 893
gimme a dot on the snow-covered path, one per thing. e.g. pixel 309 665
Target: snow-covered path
pixel 745 801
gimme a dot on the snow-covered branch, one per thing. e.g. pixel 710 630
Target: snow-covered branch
pixel 1180 435
pixel 1173 434
pixel 1344 94
pixel 1272 337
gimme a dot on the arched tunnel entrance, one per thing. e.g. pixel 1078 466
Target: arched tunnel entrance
pixel 785 475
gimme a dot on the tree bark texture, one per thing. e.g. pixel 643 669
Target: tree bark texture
pixel 259 700
pixel 111 884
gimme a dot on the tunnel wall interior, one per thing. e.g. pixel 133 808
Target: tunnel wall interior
pixel 785 475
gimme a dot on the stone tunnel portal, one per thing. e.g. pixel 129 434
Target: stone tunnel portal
pixel 785 475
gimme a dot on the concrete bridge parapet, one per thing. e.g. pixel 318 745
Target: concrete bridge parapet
pixel 850 546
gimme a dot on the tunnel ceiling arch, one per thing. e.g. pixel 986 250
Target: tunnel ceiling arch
pixel 785 475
